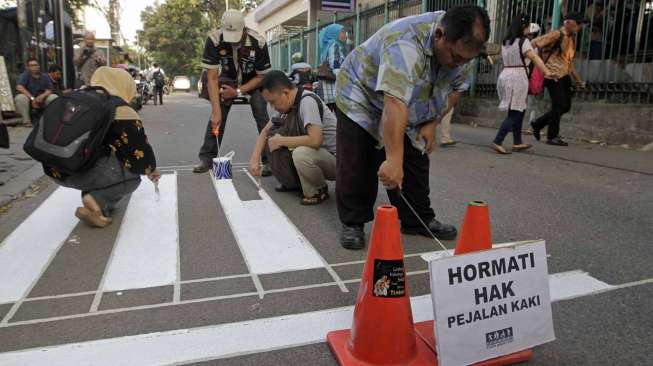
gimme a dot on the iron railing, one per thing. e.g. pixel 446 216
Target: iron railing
pixel 614 52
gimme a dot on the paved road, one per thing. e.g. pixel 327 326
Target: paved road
pixel 201 271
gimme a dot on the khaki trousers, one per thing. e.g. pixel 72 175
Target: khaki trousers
pixel 314 167
pixel 24 105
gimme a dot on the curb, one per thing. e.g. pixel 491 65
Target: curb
pixel 14 188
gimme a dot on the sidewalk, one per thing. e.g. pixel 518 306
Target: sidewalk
pixel 614 157
pixel 18 171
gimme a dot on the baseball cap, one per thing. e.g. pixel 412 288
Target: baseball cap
pixel 534 28
pixel 577 17
pixel 233 24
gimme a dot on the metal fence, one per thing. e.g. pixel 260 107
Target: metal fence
pixel 614 52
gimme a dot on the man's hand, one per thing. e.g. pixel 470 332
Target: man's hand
pixel 275 142
pixel 426 135
pixel 155 175
pixel 227 92
pixel 581 84
pixel 255 166
pixel 391 174
pixel 35 104
pixel 216 120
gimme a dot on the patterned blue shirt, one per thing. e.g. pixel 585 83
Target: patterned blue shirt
pixel 398 60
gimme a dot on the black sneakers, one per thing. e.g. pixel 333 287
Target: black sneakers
pixel 352 237
pixel 557 142
pixel 440 230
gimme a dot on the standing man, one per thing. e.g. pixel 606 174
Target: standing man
pixel 391 92
pixel 34 91
pixel 559 48
pixel 159 78
pixel 88 59
pixel 239 58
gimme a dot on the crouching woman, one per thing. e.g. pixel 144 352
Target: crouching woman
pixel 117 174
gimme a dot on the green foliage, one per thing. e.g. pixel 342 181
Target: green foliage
pixel 72 5
pixel 174 35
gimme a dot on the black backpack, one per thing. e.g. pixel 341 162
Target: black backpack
pixel 70 134
pixel 159 80
pixel 280 160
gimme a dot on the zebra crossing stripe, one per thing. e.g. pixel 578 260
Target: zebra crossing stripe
pixel 252 336
pixel 146 249
pixel 270 242
pixel 29 248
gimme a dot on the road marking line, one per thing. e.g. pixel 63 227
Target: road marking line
pixel 247 337
pixel 26 252
pixel 270 243
pixel 209 279
pixel 326 264
pixel 146 249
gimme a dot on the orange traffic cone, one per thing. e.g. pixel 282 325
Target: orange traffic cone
pixel 475 235
pixel 382 332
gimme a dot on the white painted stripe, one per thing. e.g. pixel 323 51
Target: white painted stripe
pixel 195 344
pixel 269 241
pixel 145 254
pixel 569 285
pixel 25 252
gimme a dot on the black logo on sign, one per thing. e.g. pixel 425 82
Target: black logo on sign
pixel 498 337
pixel 389 278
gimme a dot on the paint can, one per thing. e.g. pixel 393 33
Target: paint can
pixel 222 166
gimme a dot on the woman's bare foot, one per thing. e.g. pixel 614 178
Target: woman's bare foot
pixel 91 204
pixel 94 219
pixel 500 149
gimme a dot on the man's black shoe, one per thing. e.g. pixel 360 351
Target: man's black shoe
pixel 202 167
pixel 352 237
pixel 557 142
pixel 265 171
pixel 440 230
pixel 536 132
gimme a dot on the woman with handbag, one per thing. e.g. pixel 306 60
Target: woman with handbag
pixel 332 55
pixel 512 86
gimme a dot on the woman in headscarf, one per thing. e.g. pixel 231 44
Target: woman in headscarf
pixel 332 53
pixel 117 174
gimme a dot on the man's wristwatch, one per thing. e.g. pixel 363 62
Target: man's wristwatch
pixel 239 93
pixel 31 98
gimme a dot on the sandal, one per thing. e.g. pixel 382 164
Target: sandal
pixel 500 149
pixel 521 147
pixel 321 196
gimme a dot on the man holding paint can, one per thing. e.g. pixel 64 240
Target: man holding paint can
pixel 236 59
pixel 391 92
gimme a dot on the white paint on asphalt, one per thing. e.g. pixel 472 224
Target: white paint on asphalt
pixel 145 253
pixel 30 247
pixel 234 339
pixel 270 243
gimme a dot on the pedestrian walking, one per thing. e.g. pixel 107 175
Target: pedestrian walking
pixel 512 85
pixel 559 48
pixel 332 55
pixel 87 59
pixel 158 77
pixel 240 57
pixel 391 92
pixel 33 91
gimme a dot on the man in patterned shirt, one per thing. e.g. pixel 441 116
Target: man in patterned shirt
pixel 391 92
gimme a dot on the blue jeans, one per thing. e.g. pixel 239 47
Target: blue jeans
pixel 512 123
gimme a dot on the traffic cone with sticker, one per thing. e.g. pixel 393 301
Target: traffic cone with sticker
pixel 383 331
pixel 475 235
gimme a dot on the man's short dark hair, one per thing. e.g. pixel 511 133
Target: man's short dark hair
pixel 54 68
pixel 459 22
pixel 30 60
pixel 276 80
pixel 155 64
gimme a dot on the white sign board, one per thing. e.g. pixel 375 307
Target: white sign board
pixel 491 303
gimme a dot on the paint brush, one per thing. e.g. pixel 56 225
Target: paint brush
pixel 157 193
